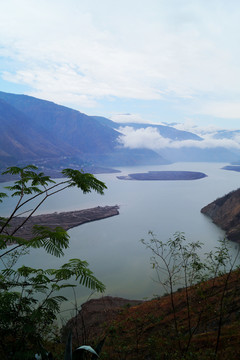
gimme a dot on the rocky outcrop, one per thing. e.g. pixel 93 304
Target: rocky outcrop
pixel 94 317
pixel 225 212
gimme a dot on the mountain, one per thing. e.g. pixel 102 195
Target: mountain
pixel 164 130
pixel 55 136
pixel 225 212
pixel 64 125
pixel 227 134
pixel 39 130
pixel 18 137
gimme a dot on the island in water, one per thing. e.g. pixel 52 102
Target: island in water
pixel 66 220
pixel 232 168
pixel 164 175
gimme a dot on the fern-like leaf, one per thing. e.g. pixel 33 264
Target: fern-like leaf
pixel 85 181
pixel 2 195
pixel 53 241
pixel 82 273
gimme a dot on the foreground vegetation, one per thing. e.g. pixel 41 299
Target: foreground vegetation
pixel 29 297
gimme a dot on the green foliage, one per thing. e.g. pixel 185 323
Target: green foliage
pixel 29 299
pixel 2 195
pixel 21 187
pixel 86 182
pixel 53 241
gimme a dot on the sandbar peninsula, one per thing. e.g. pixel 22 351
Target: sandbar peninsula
pixel 66 220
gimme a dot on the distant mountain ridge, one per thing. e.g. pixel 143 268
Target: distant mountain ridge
pixel 165 130
pixel 55 136
pixel 34 129
pixel 184 153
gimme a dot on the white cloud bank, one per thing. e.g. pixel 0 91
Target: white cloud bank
pixel 150 138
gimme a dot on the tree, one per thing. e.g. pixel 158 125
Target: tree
pixel 177 264
pixel 29 299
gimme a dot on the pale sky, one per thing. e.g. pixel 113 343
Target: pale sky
pixel 158 60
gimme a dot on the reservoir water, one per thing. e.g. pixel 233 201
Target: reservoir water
pixel 112 246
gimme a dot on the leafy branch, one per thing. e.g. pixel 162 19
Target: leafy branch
pixel 25 319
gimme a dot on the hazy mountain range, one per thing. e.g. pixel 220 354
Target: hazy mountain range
pixel 42 132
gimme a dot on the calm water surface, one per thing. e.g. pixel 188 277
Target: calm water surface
pixel 112 246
